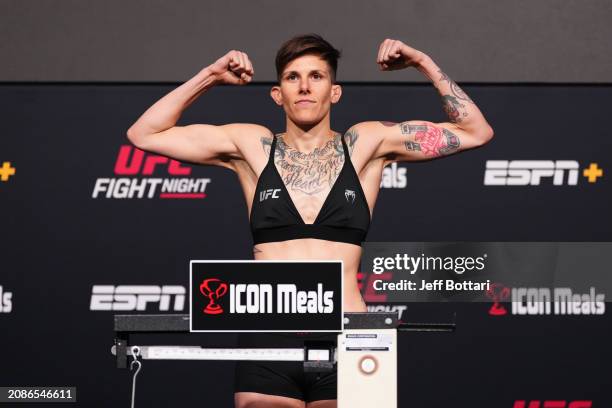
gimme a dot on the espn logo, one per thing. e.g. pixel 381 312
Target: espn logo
pixel 530 172
pixel 130 298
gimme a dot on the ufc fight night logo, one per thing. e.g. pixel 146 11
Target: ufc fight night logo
pixel 134 170
pixel 137 298
pixel 537 172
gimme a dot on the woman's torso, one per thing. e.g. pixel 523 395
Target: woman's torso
pixel 308 179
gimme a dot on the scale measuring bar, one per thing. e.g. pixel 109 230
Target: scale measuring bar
pixel 234 354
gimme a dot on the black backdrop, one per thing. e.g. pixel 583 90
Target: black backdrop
pixel 57 241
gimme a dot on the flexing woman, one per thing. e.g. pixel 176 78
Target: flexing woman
pixel 309 190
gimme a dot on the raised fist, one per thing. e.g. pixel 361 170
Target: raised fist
pixel 394 54
pixel 233 68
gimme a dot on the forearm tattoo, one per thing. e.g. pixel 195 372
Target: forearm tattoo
pixel 308 173
pixel 453 106
pixel 455 89
pixel 431 140
pixel 454 109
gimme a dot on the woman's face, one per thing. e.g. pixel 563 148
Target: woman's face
pixel 306 92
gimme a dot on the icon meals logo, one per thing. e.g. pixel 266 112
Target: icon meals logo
pixel 263 298
pixel 544 301
pixel 286 296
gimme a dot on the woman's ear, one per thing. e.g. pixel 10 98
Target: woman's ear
pixel 336 92
pixel 275 93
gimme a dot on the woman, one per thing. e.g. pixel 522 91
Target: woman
pixel 310 190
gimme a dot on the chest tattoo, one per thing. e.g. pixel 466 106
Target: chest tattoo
pixel 309 173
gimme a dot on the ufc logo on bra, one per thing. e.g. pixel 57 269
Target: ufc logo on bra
pixel 265 194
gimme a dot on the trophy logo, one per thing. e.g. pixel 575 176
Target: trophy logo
pixel 498 293
pixel 213 295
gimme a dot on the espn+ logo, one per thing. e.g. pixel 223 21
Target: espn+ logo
pixel 257 298
pixel 536 172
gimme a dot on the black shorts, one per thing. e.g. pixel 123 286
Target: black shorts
pixel 284 378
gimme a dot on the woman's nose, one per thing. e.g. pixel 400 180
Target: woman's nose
pixel 304 85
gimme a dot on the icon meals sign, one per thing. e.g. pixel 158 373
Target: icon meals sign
pixel 280 296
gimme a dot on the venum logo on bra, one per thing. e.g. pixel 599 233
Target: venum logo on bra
pixel 349 195
pixel 265 298
pixel 137 297
pixel 140 167
pixel 536 172
pixel 6 304
pixel 269 193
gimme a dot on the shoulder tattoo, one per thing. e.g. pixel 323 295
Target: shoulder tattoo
pixel 350 137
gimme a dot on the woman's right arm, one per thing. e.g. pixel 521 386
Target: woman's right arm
pixel 156 131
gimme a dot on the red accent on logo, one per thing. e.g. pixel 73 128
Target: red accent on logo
pixel 370 295
pixel 125 166
pixel 360 276
pixel 553 404
pixel 498 293
pixel 213 307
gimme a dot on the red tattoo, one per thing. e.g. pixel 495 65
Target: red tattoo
pixel 433 140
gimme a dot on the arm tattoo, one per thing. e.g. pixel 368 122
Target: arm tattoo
pixel 266 144
pixel 431 140
pixel 387 124
pixel 455 89
pixel 453 108
pixel 351 137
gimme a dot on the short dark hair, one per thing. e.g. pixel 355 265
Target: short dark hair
pixel 303 45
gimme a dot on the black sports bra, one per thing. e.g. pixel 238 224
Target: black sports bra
pixel 344 216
